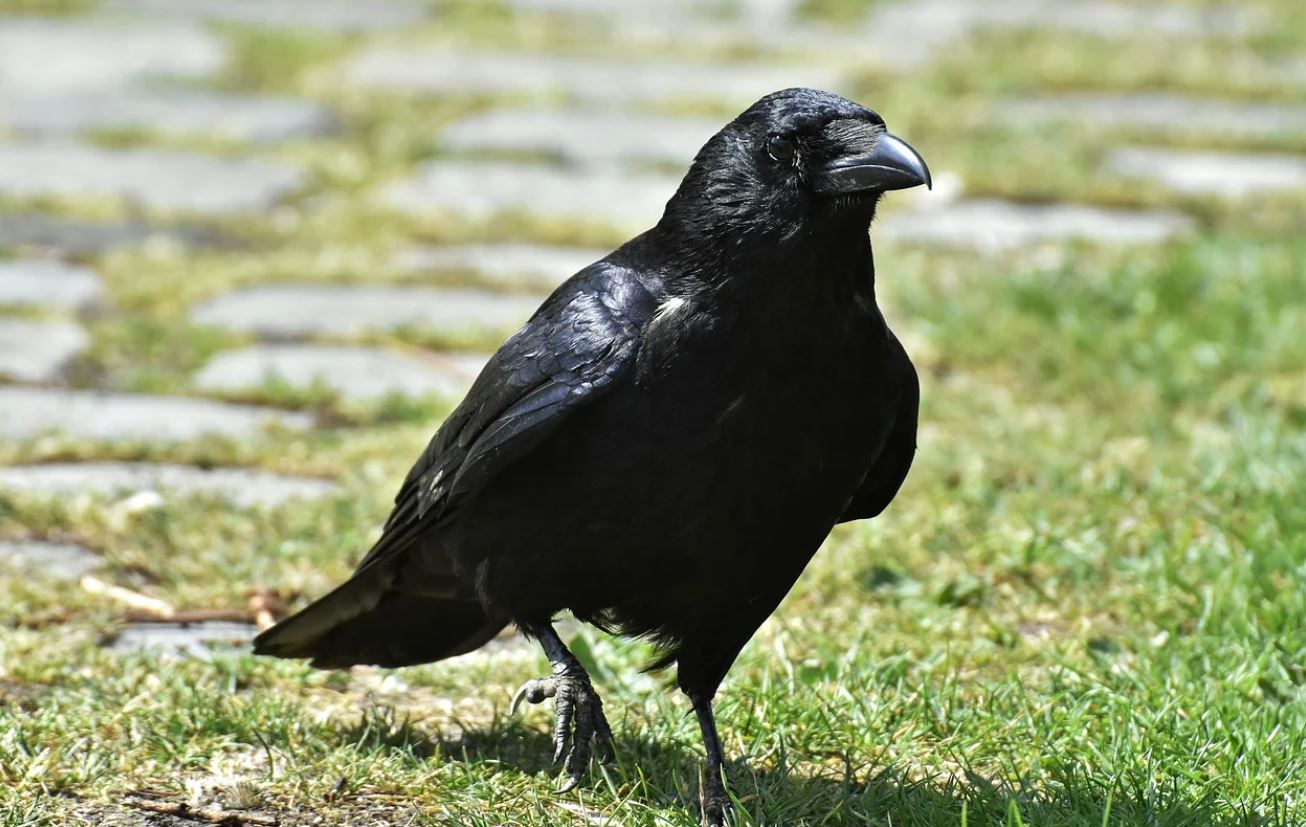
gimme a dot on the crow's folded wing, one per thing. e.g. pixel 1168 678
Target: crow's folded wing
pixel 580 341
pixel 887 474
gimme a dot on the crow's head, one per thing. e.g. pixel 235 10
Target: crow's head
pixel 793 162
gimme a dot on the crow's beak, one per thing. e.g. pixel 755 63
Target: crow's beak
pixel 891 165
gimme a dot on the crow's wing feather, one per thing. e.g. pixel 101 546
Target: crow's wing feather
pixel 887 474
pixel 580 341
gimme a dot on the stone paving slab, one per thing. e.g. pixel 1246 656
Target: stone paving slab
pixel 1161 112
pixel 101 53
pixel 52 233
pixel 57 561
pixel 353 372
pixel 235 117
pixel 1113 19
pixel 339 16
pixel 290 310
pixel 483 189
pixel 28 412
pixel 714 23
pixel 440 70
pixel 582 135
pixel 1291 70
pixel 34 283
pixel 906 34
pixel 688 9
pixel 1212 173
pixel 36 351
pixel 994 226
pixel 155 179
pixel 199 640
pixel 507 265
pixel 245 487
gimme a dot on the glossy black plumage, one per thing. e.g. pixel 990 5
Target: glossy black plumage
pixel 668 440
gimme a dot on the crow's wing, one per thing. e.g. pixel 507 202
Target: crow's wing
pixel 580 341
pixel 887 474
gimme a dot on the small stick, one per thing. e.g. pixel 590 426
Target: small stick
pixel 188 616
pixel 149 605
pixel 184 810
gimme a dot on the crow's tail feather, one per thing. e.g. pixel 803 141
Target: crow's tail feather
pixel 364 622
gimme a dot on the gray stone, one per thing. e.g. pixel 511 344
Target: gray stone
pixel 581 135
pixel 197 640
pixel 155 179
pixel 27 412
pixel 75 237
pixel 355 373
pixel 1291 70
pixel 993 226
pixel 1212 173
pixel 1161 112
pixel 59 561
pixel 327 15
pixel 47 284
pixel 233 117
pixel 441 70
pixel 1113 19
pixel 48 55
pixel 710 29
pixel 287 310
pixel 907 33
pixel 244 487
pixel 639 11
pixel 480 190
pixel 684 12
pixel 533 265
pixel 36 351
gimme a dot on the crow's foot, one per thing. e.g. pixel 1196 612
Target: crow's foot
pixel 580 730
pixel 715 801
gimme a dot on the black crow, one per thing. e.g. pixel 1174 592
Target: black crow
pixel 664 445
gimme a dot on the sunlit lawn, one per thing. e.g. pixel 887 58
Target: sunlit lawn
pixel 1087 606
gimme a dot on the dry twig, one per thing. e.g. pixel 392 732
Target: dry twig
pixel 152 606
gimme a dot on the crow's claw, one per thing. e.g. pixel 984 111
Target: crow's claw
pixel 715 801
pixel 533 691
pixel 581 730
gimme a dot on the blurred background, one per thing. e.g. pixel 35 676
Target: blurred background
pixel 251 251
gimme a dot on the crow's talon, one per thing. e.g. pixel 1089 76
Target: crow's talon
pixel 580 730
pixel 715 811
pixel 714 800
pixel 533 691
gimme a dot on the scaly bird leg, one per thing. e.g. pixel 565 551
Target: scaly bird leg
pixel 580 722
pixel 715 801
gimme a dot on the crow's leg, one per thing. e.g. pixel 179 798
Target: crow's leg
pixel 715 802
pixel 580 727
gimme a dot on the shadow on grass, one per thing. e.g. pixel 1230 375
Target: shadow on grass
pixel 827 794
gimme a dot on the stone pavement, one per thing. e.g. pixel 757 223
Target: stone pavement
pixel 355 372
pixel 151 179
pixel 51 284
pixel 289 310
pixel 61 561
pixel 32 351
pixel 141 127
pixel 239 486
pixel 99 415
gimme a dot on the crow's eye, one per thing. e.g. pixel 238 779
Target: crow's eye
pixel 780 148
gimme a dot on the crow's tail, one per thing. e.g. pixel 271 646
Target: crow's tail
pixel 364 622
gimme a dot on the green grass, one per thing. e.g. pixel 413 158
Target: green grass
pixel 1086 607
pixel 848 12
